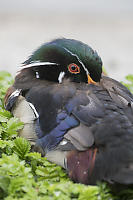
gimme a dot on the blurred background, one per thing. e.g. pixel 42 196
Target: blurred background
pixel 106 25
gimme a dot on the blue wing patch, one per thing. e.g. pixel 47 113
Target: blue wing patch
pixel 52 139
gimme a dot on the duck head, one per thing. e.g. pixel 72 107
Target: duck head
pixel 63 59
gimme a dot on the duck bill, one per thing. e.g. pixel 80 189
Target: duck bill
pixel 90 81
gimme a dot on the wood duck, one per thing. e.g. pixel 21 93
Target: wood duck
pixel 73 115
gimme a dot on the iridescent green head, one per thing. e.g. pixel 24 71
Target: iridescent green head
pixel 65 58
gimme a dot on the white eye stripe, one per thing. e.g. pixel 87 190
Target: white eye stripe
pixel 87 72
pixel 37 63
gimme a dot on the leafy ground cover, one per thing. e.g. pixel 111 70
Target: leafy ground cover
pixel 25 175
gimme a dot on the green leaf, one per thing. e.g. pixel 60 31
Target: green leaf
pixel 5 81
pixel 13 126
pixel 21 147
pixel 12 166
pixel 5 143
pixel 4 115
pixel 129 82
pixel 1 130
pixel 4 183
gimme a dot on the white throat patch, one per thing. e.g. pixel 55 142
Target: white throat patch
pixel 61 76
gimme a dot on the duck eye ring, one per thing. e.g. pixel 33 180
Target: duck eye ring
pixel 73 68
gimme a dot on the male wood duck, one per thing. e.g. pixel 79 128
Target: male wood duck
pixel 73 115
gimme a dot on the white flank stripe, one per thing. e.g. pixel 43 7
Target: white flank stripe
pixel 63 142
pixel 37 63
pixel 33 108
pixel 61 76
pixel 87 72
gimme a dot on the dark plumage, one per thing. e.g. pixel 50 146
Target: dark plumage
pixel 85 128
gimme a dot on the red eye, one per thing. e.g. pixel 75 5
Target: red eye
pixel 73 68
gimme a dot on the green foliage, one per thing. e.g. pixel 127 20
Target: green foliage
pixel 21 147
pixel 25 175
pixel 129 83
pixel 5 81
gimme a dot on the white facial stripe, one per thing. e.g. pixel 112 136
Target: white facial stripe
pixel 37 75
pixel 38 63
pixel 34 110
pixel 61 76
pixel 87 72
pixel 16 93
